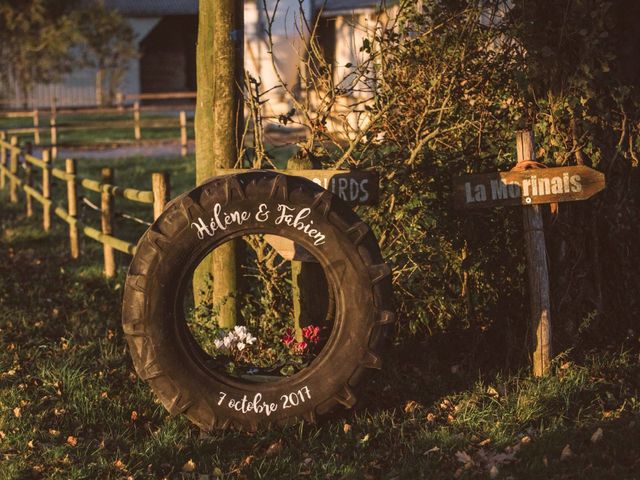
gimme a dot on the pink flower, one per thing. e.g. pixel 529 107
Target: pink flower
pixel 288 338
pixel 311 333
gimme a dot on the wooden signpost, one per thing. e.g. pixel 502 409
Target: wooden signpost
pixel 530 185
pixel 356 187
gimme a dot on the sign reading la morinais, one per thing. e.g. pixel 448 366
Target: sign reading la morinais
pixel 528 187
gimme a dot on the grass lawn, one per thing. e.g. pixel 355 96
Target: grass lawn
pixel 71 406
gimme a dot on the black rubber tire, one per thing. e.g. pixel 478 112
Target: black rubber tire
pixel 165 354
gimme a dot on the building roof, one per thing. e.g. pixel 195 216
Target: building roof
pixel 153 8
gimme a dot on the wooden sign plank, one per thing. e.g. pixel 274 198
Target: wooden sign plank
pixel 527 187
pixel 356 187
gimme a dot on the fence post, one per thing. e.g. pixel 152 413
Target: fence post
pixel 107 213
pixel 13 168
pixel 72 206
pixel 309 290
pixel 537 268
pixel 46 191
pixel 120 101
pixel 184 149
pixel 136 121
pixel 29 179
pixel 161 192
pixel 3 159
pixel 36 127
pixel 54 138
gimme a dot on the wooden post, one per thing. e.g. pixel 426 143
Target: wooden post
pixel 46 191
pixel 54 138
pixel 183 134
pixel 537 268
pixel 29 180
pixel 308 283
pixel 72 207
pixel 136 121
pixel 13 168
pixel 219 125
pixel 36 127
pixel 107 215
pixel 120 101
pixel 161 192
pixel 3 159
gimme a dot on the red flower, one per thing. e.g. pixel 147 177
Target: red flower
pixel 311 333
pixel 300 347
pixel 288 338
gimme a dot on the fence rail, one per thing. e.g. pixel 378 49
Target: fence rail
pixel 11 154
pixel 48 121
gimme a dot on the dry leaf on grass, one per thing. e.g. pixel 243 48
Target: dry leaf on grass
pixel 597 435
pixel 274 449
pixel 71 440
pixel 189 467
pixel 566 452
pixel 410 406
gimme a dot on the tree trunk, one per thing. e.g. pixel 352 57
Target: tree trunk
pixel 218 127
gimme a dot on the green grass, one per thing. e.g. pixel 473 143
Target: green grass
pixel 68 392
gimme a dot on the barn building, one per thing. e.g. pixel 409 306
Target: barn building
pixel 166 33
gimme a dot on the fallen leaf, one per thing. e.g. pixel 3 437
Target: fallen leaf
pixel 464 457
pixel 134 416
pixel 2 435
pixel 346 428
pixel 432 450
pixel 494 472
pixel 71 440
pixel 431 417
pixel 597 435
pixel 492 392
pixel 54 433
pixel 410 406
pixel 17 412
pixel 566 452
pixel 484 442
pixel 248 460
pixel 30 444
pixel 189 467
pixel 526 439
pixel 365 438
pixel 217 472
pixel 274 449
pixel 119 464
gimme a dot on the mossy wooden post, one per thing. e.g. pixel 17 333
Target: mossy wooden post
pixel 28 170
pixel 183 134
pixel 46 191
pixel 54 137
pixel 13 168
pixel 161 192
pixel 36 127
pixel 3 159
pixel 308 284
pixel 106 215
pixel 537 268
pixel 72 207
pixel 219 106
pixel 136 121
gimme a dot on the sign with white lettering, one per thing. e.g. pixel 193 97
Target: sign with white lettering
pixel 527 187
pixel 356 187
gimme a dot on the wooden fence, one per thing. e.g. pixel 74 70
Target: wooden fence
pixel 23 180
pixel 135 124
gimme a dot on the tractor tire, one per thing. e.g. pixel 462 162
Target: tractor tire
pixel 166 355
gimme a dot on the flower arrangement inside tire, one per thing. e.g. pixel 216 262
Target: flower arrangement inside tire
pixel 163 349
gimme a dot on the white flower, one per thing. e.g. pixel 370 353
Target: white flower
pixel 227 341
pixel 240 332
pixel 218 343
pixel 240 346
pixel 250 339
